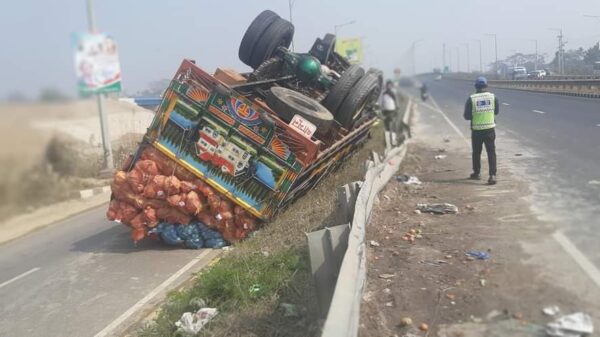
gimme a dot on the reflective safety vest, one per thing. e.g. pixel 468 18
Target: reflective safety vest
pixel 483 107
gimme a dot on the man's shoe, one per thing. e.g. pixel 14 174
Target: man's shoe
pixel 475 176
pixel 492 180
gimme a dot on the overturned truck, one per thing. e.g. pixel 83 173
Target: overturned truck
pixel 225 152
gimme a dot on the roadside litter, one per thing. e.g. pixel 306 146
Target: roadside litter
pixel 374 243
pixel 594 182
pixel 290 310
pixel 551 311
pixel 191 324
pixel 574 325
pixel 479 255
pixel 408 180
pixel 412 234
pixel 440 156
pixel 387 276
pixel 444 208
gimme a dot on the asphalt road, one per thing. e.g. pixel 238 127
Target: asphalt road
pixel 78 277
pixel 558 141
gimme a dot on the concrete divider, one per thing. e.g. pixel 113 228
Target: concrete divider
pixel 341 303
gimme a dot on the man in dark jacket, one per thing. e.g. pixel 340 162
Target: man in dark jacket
pixel 481 109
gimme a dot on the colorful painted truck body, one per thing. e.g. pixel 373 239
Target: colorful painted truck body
pixel 223 137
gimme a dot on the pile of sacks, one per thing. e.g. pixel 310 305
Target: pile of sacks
pixel 158 190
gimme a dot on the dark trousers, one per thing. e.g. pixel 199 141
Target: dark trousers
pixel 487 137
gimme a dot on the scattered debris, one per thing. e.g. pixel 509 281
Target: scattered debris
pixel 441 150
pixel 470 208
pixel 574 325
pixel 451 296
pixel 476 319
pixel 197 302
pixel 374 243
pixel 493 314
pixel 518 316
pixel 424 327
pixel 408 180
pixel 440 156
pixel 254 289
pixel 389 304
pixel 412 234
pixel 518 154
pixel 290 310
pixel 387 276
pixel 551 310
pixel 191 324
pixel 443 208
pixel 594 182
pixel 406 321
pixel 482 282
pixel 387 291
pixel 480 255
pixel 416 211
pixel 386 197
pixel 446 140
pixel 448 256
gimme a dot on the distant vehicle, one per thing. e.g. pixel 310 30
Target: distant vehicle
pixel 518 73
pixel 406 82
pixel 537 74
pixel 597 68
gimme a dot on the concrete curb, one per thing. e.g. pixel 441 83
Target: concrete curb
pixel 88 193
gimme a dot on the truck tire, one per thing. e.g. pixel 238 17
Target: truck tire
pixel 360 96
pixel 278 34
pixel 323 48
pixel 379 75
pixel 342 87
pixel 253 34
pixel 287 103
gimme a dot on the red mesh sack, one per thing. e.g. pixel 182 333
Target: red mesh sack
pixel 172 185
pixel 207 219
pixel 120 177
pixel 138 234
pixel 135 179
pixel 193 204
pixel 138 221
pixel 147 167
pixel 150 217
pixel 172 215
pixel 177 201
pixel 188 186
pixel 112 213
pixel 214 202
pixel 127 212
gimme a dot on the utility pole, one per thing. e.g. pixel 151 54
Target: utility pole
pixel 449 59
pixel 414 57
pixel 535 64
pixel 561 50
pixel 458 59
pixel 291 6
pixel 443 57
pixel 468 58
pixel 106 143
pixel 480 57
pixel 496 51
pixel 337 27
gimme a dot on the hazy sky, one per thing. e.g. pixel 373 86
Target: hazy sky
pixel 153 36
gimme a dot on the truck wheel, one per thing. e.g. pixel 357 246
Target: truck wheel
pixel 379 75
pixel 278 34
pixel 253 34
pixel 362 94
pixel 342 87
pixel 287 103
pixel 323 48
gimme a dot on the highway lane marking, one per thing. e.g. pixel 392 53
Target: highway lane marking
pixel 119 320
pixel 450 122
pixel 585 264
pixel 18 277
pixel 538 111
pixel 506 104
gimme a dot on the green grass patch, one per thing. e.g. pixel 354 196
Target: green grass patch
pixel 235 282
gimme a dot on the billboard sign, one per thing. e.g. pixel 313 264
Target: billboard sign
pixel 96 64
pixel 351 49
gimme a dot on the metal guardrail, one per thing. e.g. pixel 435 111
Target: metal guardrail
pixel 342 301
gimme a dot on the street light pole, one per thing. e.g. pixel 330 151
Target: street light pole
pixel 337 27
pixel 480 57
pixel 496 51
pixel 561 50
pixel 535 64
pixel 414 58
pixel 106 142
pixel 458 59
pixel 468 58
pixel 291 5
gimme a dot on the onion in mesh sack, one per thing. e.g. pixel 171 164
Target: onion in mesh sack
pixel 135 179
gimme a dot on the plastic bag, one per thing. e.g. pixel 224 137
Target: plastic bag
pixel 169 235
pixel 192 323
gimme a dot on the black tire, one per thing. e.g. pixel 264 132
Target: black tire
pixel 256 29
pixel 379 75
pixel 287 103
pixel 278 34
pixel 359 97
pixel 270 69
pixel 323 48
pixel 342 87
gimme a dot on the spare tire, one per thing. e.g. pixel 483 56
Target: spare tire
pixel 253 34
pixel 278 34
pixel 360 96
pixel 379 75
pixel 342 87
pixel 287 103
pixel 323 48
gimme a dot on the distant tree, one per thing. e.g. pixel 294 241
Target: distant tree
pixel 16 97
pixel 592 55
pixel 155 88
pixel 574 62
pixel 52 95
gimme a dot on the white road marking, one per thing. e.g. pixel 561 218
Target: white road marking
pixel 506 104
pixel 538 111
pixel 597 124
pixel 119 320
pixel 19 277
pixel 588 267
pixel 451 123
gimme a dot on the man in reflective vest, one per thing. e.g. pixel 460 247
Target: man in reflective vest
pixel 481 109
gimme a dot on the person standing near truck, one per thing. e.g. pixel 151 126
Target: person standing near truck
pixel 389 107
pixel 481 109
